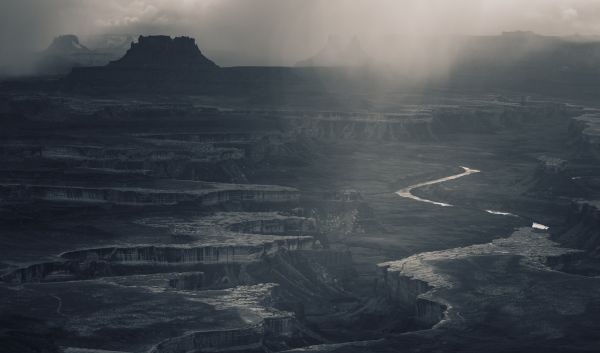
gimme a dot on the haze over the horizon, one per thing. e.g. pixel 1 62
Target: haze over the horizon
pixel 281 32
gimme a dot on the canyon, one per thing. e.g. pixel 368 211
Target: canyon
pixel 218 220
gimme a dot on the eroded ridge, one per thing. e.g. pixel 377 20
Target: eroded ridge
pixel 421 276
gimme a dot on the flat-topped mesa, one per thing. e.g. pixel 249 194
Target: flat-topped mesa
pixel 164 53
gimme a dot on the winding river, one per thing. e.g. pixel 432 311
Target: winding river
pixel 523 242
pixel 407 193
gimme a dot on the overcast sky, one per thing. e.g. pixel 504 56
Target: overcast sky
pixel 283 31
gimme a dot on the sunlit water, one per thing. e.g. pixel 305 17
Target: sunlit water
pixel 500 213
pixel 407 193
pixel 539 226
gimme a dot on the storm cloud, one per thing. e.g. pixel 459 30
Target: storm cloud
pixel 280 32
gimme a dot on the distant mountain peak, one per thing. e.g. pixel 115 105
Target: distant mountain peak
pixel 66 44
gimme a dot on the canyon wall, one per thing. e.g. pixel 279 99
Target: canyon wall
pixel 141 196
pixel 412 295
pixel 582 228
